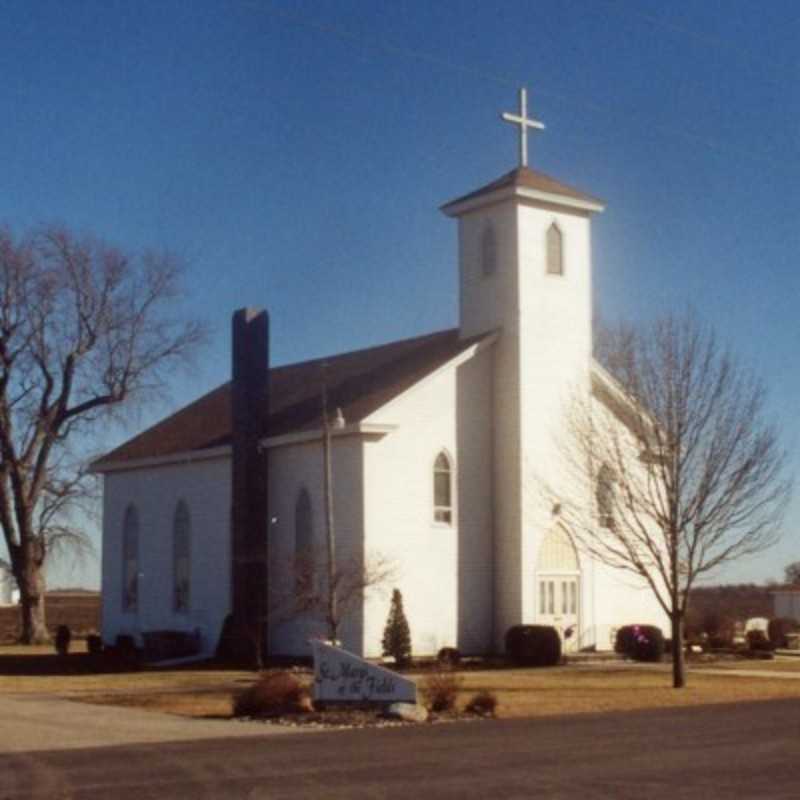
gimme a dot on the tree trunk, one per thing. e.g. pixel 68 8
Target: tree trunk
pixel 31 585
pixel 678 664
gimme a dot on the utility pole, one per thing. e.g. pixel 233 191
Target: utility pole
pixel 330 535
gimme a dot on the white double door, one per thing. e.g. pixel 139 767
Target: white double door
pixel 558 605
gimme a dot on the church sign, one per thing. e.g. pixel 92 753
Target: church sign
pixel 340 676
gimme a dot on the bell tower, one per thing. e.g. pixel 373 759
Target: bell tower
pixel 525 272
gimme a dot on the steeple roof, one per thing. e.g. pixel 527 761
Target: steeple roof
pixel 527 184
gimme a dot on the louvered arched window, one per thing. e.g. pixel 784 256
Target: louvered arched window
pixel 181 558
pixel 442 489
pixel 304 562
pixel 555 250
pixel 130 560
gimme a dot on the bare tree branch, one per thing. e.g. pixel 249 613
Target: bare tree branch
pixel 699 477
pixel 83 328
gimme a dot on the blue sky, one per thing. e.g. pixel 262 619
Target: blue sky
pixel 295 154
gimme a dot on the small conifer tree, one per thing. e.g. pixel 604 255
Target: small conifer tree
pixel 396 634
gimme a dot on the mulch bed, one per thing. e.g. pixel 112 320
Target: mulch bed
pixel 354 718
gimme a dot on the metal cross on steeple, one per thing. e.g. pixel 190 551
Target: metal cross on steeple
pixel 524 123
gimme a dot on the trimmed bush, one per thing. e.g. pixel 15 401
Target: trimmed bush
pixel 440 689
pixel 778 628
pixel 125 652
pixel 396 635
pixel 63 638
pixel 94 644
pixel 640 642
pixel 483 703
pixel 450 656
pixel 271 696
pixel 758 642
pixel 533 645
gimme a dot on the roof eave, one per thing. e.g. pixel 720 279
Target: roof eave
pixel 363 429
pixel 101 467
pixel 464 205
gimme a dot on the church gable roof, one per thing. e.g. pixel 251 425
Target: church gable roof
pixel 358 382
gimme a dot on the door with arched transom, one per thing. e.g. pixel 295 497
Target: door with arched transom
pixel 558 581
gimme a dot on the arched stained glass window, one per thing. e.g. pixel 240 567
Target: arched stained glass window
pixel 555 250
pixel 181 558
pixel 130 560
pixel 442 489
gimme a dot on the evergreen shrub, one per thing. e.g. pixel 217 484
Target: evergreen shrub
pixel 533 645
pixel 396 634
pixel 640 642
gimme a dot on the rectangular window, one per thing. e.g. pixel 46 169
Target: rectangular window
pixel 573 597
pixel 551 599
pixel 563 597
pixel 542 598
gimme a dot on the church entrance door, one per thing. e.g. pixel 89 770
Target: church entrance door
pixel 558 606
pixel 558 581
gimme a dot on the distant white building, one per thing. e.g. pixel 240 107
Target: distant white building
pixel 786 601
pixel 435 457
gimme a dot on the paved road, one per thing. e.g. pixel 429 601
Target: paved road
pixel 731 752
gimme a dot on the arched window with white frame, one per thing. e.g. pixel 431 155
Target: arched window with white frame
pixel 130 560
pixel 443 489
pixel 304 561
pixel 555 250
pixel 181 558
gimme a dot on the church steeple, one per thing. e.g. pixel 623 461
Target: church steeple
pixel 537 294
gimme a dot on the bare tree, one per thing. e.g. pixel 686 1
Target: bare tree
pixel 84 327
pixel 676 469
pixel 352 579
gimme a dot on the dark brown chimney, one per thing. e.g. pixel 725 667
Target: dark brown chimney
pixel 250 511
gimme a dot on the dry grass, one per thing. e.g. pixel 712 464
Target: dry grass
pixel 204 692
pixel 520 693
pixel 548 692
pixel 779 664
pixel 37 669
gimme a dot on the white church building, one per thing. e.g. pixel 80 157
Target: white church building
pixel 436 447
